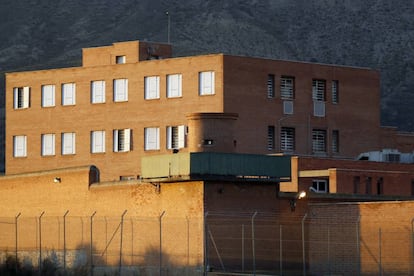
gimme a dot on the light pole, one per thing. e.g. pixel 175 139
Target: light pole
pixel 168 26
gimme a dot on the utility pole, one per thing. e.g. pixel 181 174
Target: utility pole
pixel 168 26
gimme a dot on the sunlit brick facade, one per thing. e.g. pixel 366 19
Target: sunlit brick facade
pixel 132 99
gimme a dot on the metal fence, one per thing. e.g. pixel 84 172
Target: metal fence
pixel 271 244
pixel 97 245
pixel 247 243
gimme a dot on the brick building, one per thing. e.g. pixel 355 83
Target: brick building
pixel 196 140
pixel 132 99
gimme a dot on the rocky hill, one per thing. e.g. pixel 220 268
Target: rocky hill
pixel 374 33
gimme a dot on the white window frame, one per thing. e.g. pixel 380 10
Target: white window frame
pixel 287 88
pixel 206 83
pixel 68 143
pixel 152 138
pixel 69 93
pixel 176 137
pixel 122 140
pixel 120 90
pixel 48 95
pixel 174 86
pixel 98 91
pixel 152 87
pixel 98 141
pixel 20 146
pixel 319 141
pixel 318 184
pixel 287 139
pixel 21 97
pixel 48 144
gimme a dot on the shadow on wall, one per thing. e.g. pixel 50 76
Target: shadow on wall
pixel 81 262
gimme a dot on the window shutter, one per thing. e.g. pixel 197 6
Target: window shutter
pixel 116 140
pixel 206 83
pixel 127 139
pixel 69 93
pixel 16 98
pixel 181 137
pixel 26 96
pixel 19 146
pixel 169 137
pixel 98 141
pixel 174 85
pixel 120 90
pixel 68 143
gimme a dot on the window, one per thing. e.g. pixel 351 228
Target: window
pixel 152 138
pixel 287 88
pixel 174 86
pixel 319 186
pixel 121 90
pixel 368 184
pixel 318 90
pixel 68 94
pixel 48 95
pixel 122 140
pixel 48 144
pixel 98 91
pixel 21 97
pixel 357 181
pixel 270 86
pixel 152 87
pixel 120 59
pixel 206 83
pixel 335 141
pixel 380 186
pixel 335 96
pixel 270 137
pixel 68 143
pixel 392 157
pixel 287 139
pixel 288 107
pixel 318 96
pixel 98 141
pixel 176 137
pixel 318 140
pixel 19 146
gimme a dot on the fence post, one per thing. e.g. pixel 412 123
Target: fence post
pixel 120 242
pixel 91 243
pixel 280 251
pixel 380 253
pixel 40 242
pixel 254 252
pixel 206 265
pixel 242 247
pixel 358 245
pixel 16 236
pixel 160 223
pixel 412 245
pixel 64 241
pixel 303 244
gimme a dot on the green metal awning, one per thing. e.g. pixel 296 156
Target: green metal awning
pixel 207 165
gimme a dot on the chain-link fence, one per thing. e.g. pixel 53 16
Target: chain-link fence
pixel 98 245
pixel 274 244
pixel 229 242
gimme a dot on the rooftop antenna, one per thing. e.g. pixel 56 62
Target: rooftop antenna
pixel 168 27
